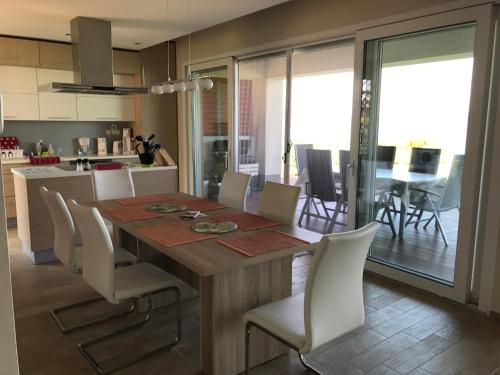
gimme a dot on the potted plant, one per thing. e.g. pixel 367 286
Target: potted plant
pixel 147 151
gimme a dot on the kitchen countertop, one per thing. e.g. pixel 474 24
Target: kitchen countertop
pixel 36 172
pixel 70 158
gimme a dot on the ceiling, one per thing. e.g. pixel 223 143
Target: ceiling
pixel 132 21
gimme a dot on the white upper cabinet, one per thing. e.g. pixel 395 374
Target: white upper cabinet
pixel 15 79
pixel 19 87
pixel 105 108
pixel 45 76
pixel 56 106
pixel 123 80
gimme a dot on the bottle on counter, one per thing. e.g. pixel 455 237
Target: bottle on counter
pixel 79 166
pixel 50 150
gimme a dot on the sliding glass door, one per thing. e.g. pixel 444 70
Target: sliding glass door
pixel 288 103
pixel 261 121
pixel 211 132
pixel 320 120
pixel 419 108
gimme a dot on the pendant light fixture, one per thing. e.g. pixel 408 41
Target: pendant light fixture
pixel 188 84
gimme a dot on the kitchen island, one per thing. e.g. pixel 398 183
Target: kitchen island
pixel 34 224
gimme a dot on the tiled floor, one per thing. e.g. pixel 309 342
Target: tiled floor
pixel 406 331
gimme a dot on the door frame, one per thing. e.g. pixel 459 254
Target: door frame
pixel 229 64
pixel 483 16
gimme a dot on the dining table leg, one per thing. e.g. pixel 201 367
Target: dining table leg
pixel 225 298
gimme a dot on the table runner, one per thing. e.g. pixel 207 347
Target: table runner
pixel 174 234
pixel 261 243
pixel 127 214
pixel 248 221
pixel 153 198
pixel 202 205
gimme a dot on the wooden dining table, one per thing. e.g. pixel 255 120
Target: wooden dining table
pixel 229 284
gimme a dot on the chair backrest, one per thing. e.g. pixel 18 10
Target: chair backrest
pixel 344 157
pixel 279 202
pixel 333 299
pixel 113 184
pixel 301 156
pixel 424 160
pixel 233 190
pixel 386 156
pixel 98 253
pixel 320 173
pixel 453 187
pixel 64 228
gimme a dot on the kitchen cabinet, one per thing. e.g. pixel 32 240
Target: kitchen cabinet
pixel 56 106
pixel 126 62
pixel 20 107
pixel 14 79
pixel 56 56
pixel 105 108
pixel 124 80
pixel 8 189
pixel 19 52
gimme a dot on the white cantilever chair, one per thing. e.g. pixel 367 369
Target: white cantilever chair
pixel 233 190
pixel 118 285
pixel 279 202
pixel 70 255
pixel 332 304
pixel 113 184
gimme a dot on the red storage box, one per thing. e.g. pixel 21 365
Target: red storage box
pixel 107 166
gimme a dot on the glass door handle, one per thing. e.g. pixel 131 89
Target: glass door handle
pixel 352 167
pixel 226 160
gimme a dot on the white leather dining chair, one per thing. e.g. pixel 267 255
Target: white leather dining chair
pixel 279 202
pixel 69 254
pixel 121 284
pixel 332 304
pixel 233 190
pixel 113 184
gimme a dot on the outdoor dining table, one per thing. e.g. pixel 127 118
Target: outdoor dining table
pixel 400 182
pixel 229 283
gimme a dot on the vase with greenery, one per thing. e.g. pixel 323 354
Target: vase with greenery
pixel 146 149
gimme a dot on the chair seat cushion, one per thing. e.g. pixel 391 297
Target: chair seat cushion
pixel 121 256
pixel 283 318
pixel 140 279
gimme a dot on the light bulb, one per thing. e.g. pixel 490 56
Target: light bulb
pixel 192 85
pixel 167 88
pixel 179 86
pixel 205 83
pixel 157 90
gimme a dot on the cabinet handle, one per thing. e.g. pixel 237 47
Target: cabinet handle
pixel 107 118
pixel 60 117
pixel 5 116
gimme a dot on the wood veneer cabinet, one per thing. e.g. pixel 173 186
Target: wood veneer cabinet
pixel 56 56
pixel 19 52
pixel 126 62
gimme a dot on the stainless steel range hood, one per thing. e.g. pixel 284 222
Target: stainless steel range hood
pixel 92 61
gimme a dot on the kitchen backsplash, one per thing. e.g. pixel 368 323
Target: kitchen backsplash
pixel 58 134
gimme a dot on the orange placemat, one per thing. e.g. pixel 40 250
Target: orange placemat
pixel 174 234
pixel 154 198
pixel 202 205
pixel 261 243
pixel 126 214
pixel 248 221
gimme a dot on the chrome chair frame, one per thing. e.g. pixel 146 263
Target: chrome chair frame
pixel 302 359
pixel 84 347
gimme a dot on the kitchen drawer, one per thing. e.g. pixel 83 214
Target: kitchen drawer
pixel 10 207
pixel 8 185
pixel 20 106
